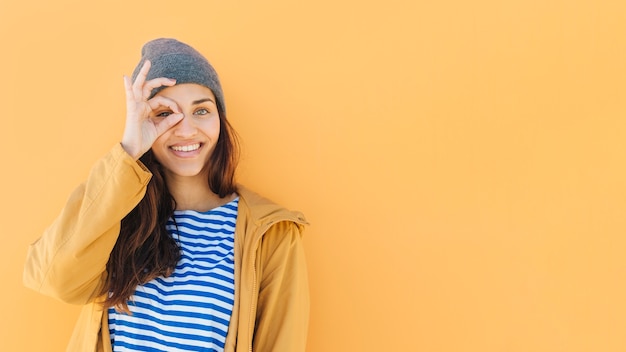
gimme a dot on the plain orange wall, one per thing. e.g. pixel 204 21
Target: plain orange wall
pixel 461 162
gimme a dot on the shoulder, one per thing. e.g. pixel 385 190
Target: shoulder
pixel 261 210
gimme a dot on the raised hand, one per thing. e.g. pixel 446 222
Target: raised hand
pixel 142 129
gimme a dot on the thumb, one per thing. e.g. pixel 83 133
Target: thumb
pixel 167 123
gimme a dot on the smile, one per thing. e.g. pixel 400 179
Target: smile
pixel 186 148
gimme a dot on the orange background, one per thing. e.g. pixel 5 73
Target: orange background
pixel 461 162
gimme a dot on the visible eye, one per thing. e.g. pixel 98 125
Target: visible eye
pixel 164 114
pixel 202 111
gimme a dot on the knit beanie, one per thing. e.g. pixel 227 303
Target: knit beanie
pixel 171 58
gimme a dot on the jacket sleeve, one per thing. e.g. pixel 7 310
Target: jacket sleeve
pixel 283 304
pixel 68 261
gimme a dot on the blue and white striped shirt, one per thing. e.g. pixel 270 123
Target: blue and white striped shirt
pixel 191 309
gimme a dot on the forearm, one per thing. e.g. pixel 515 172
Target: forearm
pixel 69 259
pixel 283 304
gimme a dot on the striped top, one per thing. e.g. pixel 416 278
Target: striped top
pixel 190 310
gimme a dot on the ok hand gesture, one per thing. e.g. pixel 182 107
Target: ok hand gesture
pixel 141 128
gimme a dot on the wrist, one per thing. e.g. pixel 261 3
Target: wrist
pixel 133 152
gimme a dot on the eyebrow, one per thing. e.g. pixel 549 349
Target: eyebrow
pixel 200 101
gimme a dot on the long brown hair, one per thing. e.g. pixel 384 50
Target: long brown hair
pixel 144 249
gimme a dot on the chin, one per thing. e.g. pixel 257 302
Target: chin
pixel 184 172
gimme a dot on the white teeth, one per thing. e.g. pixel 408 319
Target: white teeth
pixel 186 148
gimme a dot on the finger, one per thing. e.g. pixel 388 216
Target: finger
pixel 128 88
pixel 167 123
pixel 161 101
pixel 155 83
pixel 141 79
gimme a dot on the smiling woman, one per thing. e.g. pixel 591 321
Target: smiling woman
pixel 161 246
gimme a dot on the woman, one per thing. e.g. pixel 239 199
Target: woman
pixel 164 250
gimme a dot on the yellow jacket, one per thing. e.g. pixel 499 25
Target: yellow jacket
pixel 271 288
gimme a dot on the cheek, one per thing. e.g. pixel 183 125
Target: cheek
pixel 159 141
pixel 217 129
pixel 158 147
pixel 212 129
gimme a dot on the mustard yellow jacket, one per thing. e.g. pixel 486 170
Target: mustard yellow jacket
pixel 68 261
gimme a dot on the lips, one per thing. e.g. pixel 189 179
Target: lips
pixel 185 148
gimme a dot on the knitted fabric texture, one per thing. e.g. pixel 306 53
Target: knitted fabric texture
pixel 171 58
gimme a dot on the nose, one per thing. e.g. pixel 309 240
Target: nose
pixel 185 128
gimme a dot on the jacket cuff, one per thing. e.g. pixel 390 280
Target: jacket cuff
pixel 121 156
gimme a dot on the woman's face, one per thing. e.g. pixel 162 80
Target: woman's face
pixel 184 150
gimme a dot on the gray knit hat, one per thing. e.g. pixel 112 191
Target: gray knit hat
pixel 173 59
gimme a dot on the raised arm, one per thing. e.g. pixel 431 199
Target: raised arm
pixel 69 261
